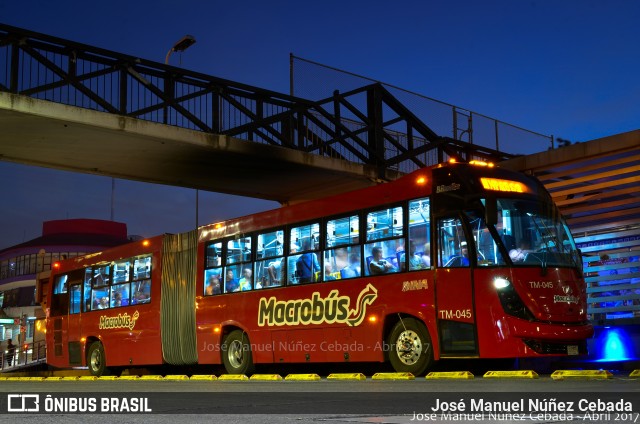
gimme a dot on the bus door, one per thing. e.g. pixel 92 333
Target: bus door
pixel 58 305
pixel 454 290
pixel 74 322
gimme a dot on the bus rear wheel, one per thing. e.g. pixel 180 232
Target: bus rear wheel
pixel 96 361
pixel 236 354
pixel 410 347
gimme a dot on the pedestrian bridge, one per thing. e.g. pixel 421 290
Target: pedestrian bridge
pixel 71 106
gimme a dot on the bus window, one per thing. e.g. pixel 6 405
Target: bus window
pixel 452 244
pixel 61 284
pixel 142 267
pixel 213 281
pixel 343 231
pixel 238 270
pixel 239 250
pixel 142 293
pixel 419 236
pixel 381 257
pixel 86 305
pixel 120 295
pixel 100 298
pixel 342 263
pixel 306 238
pixel 101 275
pixel 231 279
pixel 121 272
pixel 385 223
pixel 269 255
pixel 74 299
pixel 304 266
pixel 213 254
pixel 59 301
pixel 270 244
pixel 238 278
pixel 487 250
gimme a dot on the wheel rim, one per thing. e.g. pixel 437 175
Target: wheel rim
pixel 236 354
pixel 96 360
pixel 409 347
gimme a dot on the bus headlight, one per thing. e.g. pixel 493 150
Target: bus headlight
pixel 501 283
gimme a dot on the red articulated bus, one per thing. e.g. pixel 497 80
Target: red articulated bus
pixel 462 260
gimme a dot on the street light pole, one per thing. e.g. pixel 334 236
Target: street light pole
pixel 181 45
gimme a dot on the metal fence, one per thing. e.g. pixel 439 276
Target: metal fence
pixel 26 354
pixel 313 80
pixel 366 125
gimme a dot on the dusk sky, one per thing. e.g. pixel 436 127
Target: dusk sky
pixel 563 67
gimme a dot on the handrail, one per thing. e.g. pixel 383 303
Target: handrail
pixel 25 354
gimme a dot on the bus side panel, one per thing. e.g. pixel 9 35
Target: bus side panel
pixel 130 334
pixel 209 328
pixel 135 343
pixel 358 337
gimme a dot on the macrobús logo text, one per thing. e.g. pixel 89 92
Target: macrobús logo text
pixel 317 310
pixel 121 321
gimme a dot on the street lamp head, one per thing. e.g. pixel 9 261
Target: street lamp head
pixel 184 43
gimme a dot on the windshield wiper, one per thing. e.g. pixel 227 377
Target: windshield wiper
pixel 547 238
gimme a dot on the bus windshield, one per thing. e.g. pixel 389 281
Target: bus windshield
pixel 534 233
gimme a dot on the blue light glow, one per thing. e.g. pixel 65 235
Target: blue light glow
pixel 614 345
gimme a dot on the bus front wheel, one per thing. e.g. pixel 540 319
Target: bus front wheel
pixel 410 347
pixel 236 354
pixel 96 361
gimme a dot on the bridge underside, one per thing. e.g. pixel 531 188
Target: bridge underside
pixel 42 133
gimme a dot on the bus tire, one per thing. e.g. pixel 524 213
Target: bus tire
pixel 236 353
pixel 96 360
pixel 410 347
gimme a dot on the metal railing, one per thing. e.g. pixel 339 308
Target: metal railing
pixel 25 354
pixel 367 125
pixel 315 80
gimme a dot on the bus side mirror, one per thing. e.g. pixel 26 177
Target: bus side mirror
pixel 491 211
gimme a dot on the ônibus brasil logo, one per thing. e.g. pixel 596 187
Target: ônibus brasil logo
pixel 121 321
pixel 317 310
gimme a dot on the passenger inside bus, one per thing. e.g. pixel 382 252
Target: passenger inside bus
pixel 291 264
pixel 426 259
pixel 117 300
pixel 307 264
pixel 96 297
pixel 379 265
pixel 273 271
pixel 140 297
pixel 353 269
pixel 104 303
pixel 461 259
pixel 143 294
pixel 519 254
pixel 417 259
pixel 213 285
pixel 246 282
pixel 329 274
pixel 231 283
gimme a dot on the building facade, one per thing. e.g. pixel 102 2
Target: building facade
pixel 22 265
